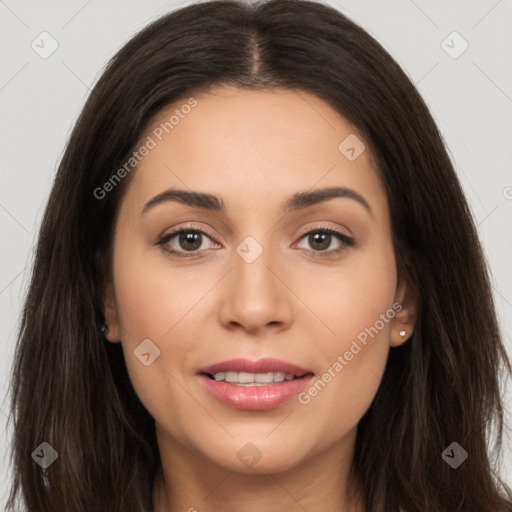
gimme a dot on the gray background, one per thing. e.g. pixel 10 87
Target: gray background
pixel 469 96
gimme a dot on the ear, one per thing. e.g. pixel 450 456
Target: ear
pixel 110 313
pixel 406 317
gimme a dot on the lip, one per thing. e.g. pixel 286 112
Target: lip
pixel 264 365
pixel 255 397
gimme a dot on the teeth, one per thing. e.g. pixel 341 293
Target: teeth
pixel 244 377
pixel 252 379
pixel 231 377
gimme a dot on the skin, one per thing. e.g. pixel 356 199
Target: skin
pixel 255 149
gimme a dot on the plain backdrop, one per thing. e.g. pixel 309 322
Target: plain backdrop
pixel 468 90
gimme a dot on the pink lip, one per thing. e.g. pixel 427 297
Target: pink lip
pixel 255 397
pixel 264 365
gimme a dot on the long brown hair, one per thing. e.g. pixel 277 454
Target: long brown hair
pixel 71 389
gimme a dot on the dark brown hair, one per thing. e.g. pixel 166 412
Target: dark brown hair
pixel 442 386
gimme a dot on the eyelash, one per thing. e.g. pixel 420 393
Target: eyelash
pixel 344 239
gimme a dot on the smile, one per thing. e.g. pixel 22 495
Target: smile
pixel 254 385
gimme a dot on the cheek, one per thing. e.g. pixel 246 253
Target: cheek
pixel 153 299
pixel 156 304
pixel 352 354
pixel 355 298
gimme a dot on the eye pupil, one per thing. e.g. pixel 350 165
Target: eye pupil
pixel 323 236
pixel 190 238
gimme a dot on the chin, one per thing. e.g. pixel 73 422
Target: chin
pixel 251 458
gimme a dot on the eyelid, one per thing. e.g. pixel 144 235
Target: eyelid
pixel 186 227
pixel 324 227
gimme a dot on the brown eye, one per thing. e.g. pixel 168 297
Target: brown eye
pixel 183 241
pixel 189 240
pixel 321 239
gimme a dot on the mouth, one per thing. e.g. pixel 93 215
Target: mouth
pixel 254 385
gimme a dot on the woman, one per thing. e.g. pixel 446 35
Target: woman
pixel 318 345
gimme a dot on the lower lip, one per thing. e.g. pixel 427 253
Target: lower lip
pixel 254 397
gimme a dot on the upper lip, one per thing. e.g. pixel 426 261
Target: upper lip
pixel 264 365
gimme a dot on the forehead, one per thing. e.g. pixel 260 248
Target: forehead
pixel 253 147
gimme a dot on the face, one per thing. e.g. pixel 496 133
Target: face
pixel 306 280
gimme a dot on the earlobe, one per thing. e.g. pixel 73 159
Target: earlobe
pixel 110 329
pixel 404 322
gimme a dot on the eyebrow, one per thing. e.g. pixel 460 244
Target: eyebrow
pixel 298 201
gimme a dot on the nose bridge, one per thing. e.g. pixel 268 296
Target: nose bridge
pixel 257 297
pixel 254 256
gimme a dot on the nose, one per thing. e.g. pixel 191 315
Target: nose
pixel 256 295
